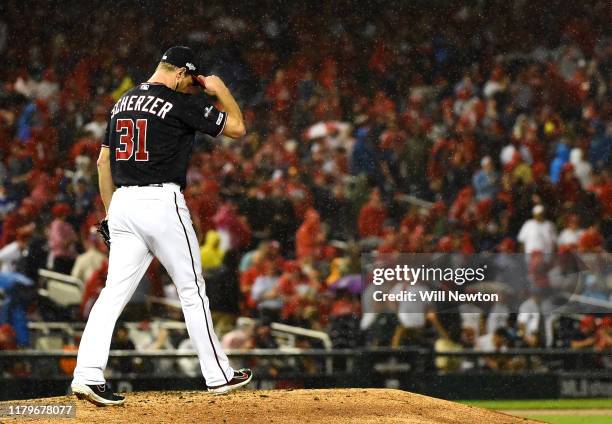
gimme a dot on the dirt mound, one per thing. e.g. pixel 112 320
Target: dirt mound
pixel 283 406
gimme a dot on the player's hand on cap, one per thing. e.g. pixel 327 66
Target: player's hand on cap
pixel 212 84
pixel 201 80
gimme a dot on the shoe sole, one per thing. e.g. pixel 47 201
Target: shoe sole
pixel 83 392
pixel 226 389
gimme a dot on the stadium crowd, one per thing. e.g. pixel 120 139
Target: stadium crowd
pixel 495 117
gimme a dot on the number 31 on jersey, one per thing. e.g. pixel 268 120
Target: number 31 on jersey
pixel 125 127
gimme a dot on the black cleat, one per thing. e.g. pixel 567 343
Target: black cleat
pixel 241 378
pixel 98 394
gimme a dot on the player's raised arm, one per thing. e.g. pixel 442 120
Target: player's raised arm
pixel 214 86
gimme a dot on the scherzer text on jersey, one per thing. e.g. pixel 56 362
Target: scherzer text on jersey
pixel 150 104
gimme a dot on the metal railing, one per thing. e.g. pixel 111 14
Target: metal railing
pixel 303 332
pixel 64 278
pixel 287 333
pixel 71 328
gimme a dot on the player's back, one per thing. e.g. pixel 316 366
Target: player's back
pixel 151 132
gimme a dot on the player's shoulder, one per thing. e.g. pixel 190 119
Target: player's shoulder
pixel 186 97
pixel 147 88
pixel 154 89
pixel 190 101
pixel 133 91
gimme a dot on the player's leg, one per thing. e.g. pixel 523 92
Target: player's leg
pixel 176 247
pixel 129 259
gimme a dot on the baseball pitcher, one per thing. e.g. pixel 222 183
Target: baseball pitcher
pixel 142 172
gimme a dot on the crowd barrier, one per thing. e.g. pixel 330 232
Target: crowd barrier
pixel 548 373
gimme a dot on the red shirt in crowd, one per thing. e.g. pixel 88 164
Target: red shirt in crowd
pixel 372 218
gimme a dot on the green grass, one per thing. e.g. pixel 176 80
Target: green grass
pixel 562 419
pixel 542 404
pixel 539 409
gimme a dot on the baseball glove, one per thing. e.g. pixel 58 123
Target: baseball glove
pixel 104 232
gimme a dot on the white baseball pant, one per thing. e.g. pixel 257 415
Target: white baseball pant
pixel 145 222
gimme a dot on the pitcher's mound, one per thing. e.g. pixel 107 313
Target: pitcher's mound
pixel 286 406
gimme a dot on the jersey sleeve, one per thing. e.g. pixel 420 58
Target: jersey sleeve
pixel 107 134
pixel 203 116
